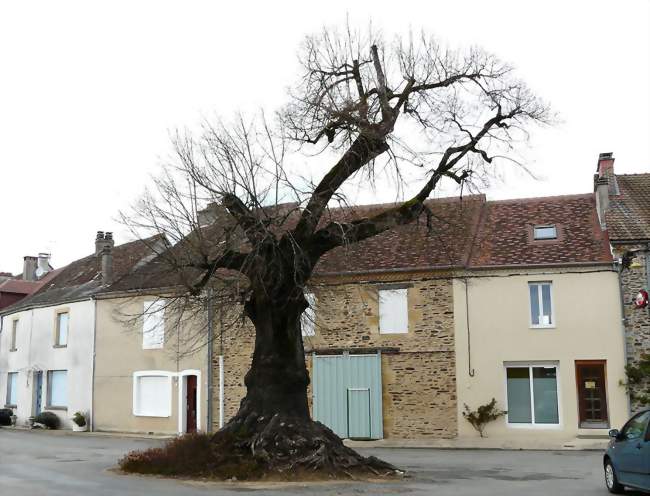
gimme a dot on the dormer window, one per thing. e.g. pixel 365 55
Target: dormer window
pixel 545 232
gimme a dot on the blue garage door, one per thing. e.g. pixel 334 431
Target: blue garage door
pixel 347 395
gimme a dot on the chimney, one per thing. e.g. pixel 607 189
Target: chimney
pixel 102 240
pixel 604 184
pixel 107 258
pixel 605 165
pixel 29 268
pixel 43 265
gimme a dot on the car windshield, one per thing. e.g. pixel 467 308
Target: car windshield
pixel 635 427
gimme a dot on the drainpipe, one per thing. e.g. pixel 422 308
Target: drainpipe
pixel 221 398
pixel 619 269
pixel 209 365
pixel 470 370
pixel 92 385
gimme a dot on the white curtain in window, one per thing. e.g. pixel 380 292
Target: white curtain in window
pixel 153 325
pixel 12 388
pixel 152 396
pixel 393 311
pixel 63 329
pixel 308 318
pixel 58 387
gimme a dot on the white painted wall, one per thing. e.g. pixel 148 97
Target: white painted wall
pixel 36 351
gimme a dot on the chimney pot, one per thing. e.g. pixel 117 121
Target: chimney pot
pixel 102 240
pixel 43 265
pixel 605 167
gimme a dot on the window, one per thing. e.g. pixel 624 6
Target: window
pixel 541 304
pixel 393 311
pixel 57 389
pixel 544 232
pixel 153 325
pixel 532 395
pixel 635 427
pixel 12 389
pixel 152 394
pixel 308 317
pixel 61 333
pixel 14 334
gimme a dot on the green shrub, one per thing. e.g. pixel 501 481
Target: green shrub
pixel 79 419
pixel 482 415
pixel 48 419
pixel 5 416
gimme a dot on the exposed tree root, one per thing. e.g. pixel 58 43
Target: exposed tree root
pixel 253 448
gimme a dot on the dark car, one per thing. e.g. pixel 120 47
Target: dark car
pixel 627 460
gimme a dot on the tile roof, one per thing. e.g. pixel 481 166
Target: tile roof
pixel 628 217
pixel 445 242
pixel 82 278
pixel 505 236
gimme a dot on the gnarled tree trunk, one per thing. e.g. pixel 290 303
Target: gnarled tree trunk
pixel 273 427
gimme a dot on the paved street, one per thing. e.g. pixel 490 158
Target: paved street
pixel 57 464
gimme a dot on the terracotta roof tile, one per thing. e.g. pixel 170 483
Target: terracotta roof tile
pixel 628 217
pixel 505 236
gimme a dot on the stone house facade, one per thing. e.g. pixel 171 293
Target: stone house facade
pixel 624 210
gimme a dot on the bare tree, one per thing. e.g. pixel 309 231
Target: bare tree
pixel 401 108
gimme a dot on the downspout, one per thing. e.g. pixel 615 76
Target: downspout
pixel 619 270
pixel 92 385
pixel 209 364
pixel 470 370
pixel 222 399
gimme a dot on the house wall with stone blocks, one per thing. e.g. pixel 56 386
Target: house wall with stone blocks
pixel 418 367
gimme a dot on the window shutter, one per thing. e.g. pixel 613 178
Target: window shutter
pixel 153 325
pixel 393 311
pixel 152 396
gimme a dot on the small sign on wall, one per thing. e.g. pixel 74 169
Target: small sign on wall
pixel 590 385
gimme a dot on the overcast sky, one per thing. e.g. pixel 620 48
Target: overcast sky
pixel 90 90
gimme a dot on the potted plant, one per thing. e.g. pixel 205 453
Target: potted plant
pixel 79 423
pixel 30 421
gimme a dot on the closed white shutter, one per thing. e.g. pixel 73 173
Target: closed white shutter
pixel 152 395
pixel 393 311
pixel 153 325
pixel 308 318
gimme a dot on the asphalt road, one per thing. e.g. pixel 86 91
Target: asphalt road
pixel 56 464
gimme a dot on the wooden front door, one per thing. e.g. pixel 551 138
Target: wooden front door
pixel 190 412
pixel 592 394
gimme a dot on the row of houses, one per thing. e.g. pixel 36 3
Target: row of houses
pixel 531 302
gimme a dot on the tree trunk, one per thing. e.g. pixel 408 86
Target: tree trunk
pixel 277 380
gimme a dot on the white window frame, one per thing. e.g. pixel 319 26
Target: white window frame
pixel 153 310
pixel 13 345
pixel 308 317
pixel 401 289
pixel 539 285
pixel 152 373
pixel 10 390
pixel 57 330
pixel 530 366
pixel 544 226
pixel 48 396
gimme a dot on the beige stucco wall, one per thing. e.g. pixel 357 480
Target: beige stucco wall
pixel 119 354
pixel 588 327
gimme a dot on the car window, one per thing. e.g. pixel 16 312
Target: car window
pixel 635 427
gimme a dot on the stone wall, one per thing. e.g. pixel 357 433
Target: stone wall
pixel 418 368
pixel 637 321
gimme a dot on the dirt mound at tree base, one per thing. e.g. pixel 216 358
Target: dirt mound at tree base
pixel 256 448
